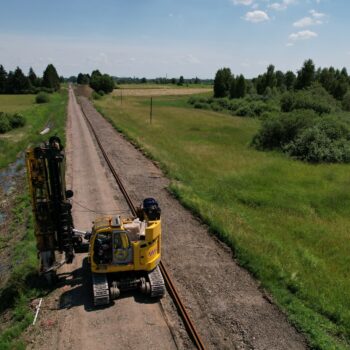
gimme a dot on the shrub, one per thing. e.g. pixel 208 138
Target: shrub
pixel 276 132
pixel 17 120
pixel 346 102
pixel 201 105
pixel 95 95
pixel 215 106
pixel 5 125
pixel 315 145
pixel 245 111
pixel 306 136
pixel 42 97
pixel 315 98
pixel 192 100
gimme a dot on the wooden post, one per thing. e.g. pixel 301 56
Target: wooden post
pixel 121 96
pixel 151 111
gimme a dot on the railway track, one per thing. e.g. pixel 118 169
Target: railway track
pixel 188 323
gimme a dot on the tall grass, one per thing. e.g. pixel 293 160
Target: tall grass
pixel 288 222
pixel 22 286
pixel 15 296
pixel 37 118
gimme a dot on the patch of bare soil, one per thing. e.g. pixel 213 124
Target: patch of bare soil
pixel 160 92
pixel 226 303
pixel 84 90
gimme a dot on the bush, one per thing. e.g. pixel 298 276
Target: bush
pixel 9 122
pixel 317 145
pixel 201 105
pixel 42 97
pixel 96 96
pixel 245 111
pixel 315 98
pixel 17 120
pixel 192 100
pixel 346 102
pixel 276 132
pixel 5 125
pixel 306 136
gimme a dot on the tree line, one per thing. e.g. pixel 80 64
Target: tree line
pixel 16 82
pixel 85 79
pixel 335 81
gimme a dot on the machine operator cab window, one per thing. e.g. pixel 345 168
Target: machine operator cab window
pixel 103 248
pixel 122 250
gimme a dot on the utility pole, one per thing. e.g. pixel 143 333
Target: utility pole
pixel 151 111
pixel 121 96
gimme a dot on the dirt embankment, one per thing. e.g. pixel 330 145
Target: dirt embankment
pixel 229 308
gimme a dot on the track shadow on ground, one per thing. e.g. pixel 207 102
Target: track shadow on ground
pixel 79 291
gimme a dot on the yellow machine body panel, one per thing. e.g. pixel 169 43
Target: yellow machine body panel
pixel 124 245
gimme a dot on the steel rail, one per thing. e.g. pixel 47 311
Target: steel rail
pixel 188 323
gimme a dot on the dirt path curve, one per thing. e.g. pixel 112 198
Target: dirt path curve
pixel 68 319
pixel 229 309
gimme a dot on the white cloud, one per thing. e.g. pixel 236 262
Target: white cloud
pixel 243 2
pixel 316 14
pixel 306 22
pixel 302 35
pixel 278 6
pixel 256 16
pixel 310 21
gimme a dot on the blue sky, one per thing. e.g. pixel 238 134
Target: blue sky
pixel 154 38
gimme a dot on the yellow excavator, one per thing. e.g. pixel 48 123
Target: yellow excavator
pixel 124 254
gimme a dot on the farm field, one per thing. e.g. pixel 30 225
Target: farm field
pixel 156 90
pixel 38 116
pixel 287 221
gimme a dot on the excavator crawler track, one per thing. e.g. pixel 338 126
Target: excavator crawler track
pixel 100 289
pixel 157 283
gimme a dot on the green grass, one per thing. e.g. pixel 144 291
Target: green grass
pixel 19 290
pixel 16 103
pixel 37 116
pixel 22 285
pixel 288 222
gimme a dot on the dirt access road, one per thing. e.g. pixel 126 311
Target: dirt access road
pixel 229 309
pixel 69 320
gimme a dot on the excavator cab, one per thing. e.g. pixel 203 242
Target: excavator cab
pixel 122 250
pixel 125 253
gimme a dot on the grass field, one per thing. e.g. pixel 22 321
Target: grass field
pixel 148 90
pixel 288 222
pixel 37 117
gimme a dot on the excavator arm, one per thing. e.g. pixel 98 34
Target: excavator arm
pixel 50 202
